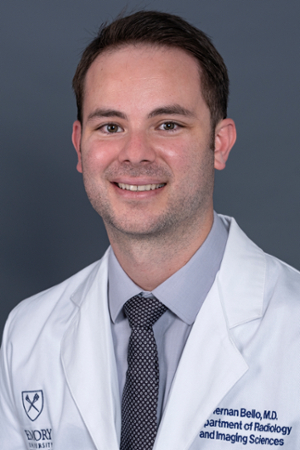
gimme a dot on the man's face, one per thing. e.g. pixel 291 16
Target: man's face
pixel 144 144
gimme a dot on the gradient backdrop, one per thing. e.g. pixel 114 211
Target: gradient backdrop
pixel 48 229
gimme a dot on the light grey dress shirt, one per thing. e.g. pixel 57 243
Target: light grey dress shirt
pixel 183 294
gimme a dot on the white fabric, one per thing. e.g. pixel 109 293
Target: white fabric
pixel 183 293
pixel 238 377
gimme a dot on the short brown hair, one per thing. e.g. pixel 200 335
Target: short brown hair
pixel 158 28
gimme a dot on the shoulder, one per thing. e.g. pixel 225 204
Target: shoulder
pixel 244 250
pixel 282 281
pixel 49 306
pixel 252 280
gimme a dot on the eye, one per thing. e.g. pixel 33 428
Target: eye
pixel 111 128
pixel 169 126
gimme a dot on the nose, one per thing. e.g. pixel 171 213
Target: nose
pixel 137 149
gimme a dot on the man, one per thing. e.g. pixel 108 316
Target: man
pixel 185 335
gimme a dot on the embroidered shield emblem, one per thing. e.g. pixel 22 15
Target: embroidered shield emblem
pixel 33 403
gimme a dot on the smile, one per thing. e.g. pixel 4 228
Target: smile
pixel 144 187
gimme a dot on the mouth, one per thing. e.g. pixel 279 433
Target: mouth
pixel 140 188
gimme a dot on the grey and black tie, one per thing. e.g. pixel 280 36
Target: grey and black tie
pixel 140 394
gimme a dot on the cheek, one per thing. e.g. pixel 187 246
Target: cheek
pixel 173 151
pixel 195 167
pixel 96 157
pixel 183 157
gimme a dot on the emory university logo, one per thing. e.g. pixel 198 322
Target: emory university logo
pixel 33 403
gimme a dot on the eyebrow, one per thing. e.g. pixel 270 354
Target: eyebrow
pixel 172 110
pixel 169 110
pixel 98 113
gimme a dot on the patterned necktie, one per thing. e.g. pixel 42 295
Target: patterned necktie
pixel 140 394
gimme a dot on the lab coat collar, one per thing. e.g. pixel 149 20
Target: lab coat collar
pixel 211 364
pixel 88 361
pixel 241 278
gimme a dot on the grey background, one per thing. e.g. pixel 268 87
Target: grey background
pixel 48 229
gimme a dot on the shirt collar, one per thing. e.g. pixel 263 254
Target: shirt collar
pixel 185 291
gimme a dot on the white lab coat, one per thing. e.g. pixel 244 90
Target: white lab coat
pixel 240 365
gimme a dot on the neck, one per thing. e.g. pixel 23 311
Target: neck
pixel 149 261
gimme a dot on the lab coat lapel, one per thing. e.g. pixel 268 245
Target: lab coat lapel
pixel 89 363
pixel 209 367
pixel 211 364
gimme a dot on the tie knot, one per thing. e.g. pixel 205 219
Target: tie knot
pixel 143 312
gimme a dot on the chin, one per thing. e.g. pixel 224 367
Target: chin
pixel 137 229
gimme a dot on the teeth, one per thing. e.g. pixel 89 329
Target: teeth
pixel 145 187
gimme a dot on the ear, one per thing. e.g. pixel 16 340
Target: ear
pixel 225 137
pixel 76 139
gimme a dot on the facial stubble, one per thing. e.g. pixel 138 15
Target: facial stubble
pixel 182 213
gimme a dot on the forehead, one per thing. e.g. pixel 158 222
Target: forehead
pixel 139 51
pixel 143 68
